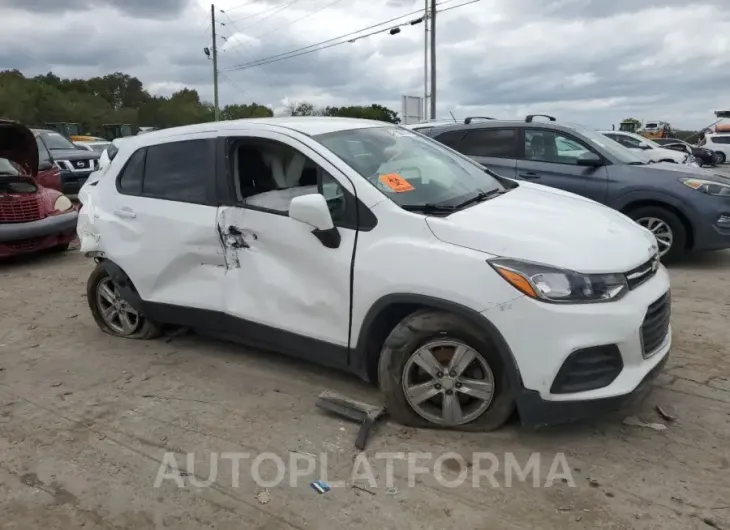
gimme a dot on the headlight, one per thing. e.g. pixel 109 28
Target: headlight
pixel 62 204
pixel 551 284
pixel 707 186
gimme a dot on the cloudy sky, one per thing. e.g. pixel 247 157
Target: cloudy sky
pixel 587 61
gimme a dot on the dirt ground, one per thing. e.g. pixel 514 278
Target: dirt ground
pixel 86 419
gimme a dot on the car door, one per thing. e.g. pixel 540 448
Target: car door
pixel 494 148
pixel 288 290
pixel 157 221
pixel 551 158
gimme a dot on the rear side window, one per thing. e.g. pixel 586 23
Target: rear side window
pixel 451 139
pixel 179 171
pixel 721 140
pixel 130 179
pixel 498 143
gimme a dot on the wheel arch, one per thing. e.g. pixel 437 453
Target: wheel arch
pixel 389 310
pixel 656 203
pixel 122 282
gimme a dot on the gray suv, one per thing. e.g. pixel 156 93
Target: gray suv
pixel 686 208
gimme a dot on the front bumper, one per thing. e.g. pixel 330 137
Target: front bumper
pixel 709 233
pixel 536 411
pixel 71 181
pixel 542 337
pixel 55 224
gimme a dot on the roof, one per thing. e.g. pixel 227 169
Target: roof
pixel 309 125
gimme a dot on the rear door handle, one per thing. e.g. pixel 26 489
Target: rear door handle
pixel 529 175
pixel 125 212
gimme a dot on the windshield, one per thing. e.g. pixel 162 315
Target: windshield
pixel 408 168
pixel 56 141
pixel 623 154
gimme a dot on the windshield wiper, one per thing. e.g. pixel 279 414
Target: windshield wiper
pixel 479 197
pixel 637 163
pixel 428 208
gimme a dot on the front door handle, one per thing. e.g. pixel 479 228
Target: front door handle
pixel 529 175
pixel 125 212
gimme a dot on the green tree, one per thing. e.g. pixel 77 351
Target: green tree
pixel 237 112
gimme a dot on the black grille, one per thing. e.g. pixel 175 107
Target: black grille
pixel 642 273
pixel 655 327
pixel 588 369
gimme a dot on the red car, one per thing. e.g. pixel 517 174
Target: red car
pixel 32 218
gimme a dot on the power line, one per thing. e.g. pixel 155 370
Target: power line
pixel 265 60
pixel 274 10
pixel 298 19
pixel 238 51
pixel 239 6
pixel 234 85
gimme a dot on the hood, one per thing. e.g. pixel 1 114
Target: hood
pixel 73 154
pixel 670 170
pixel 543 225
pixel 17 144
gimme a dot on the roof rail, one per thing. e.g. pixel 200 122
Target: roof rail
pixel 530 117
pixel 468 120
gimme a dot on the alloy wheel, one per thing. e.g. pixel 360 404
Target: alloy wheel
pixel 448 383
pixel 116 312
pixel 662 232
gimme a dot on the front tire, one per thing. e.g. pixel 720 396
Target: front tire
pixel 667 227
pixel 438 371
pixel 720 157
pixel 112 313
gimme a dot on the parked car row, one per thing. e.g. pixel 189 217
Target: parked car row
pixel 684 206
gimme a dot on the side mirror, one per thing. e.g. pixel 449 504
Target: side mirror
pixel 645 147
pixel 312 209
pixel 590 159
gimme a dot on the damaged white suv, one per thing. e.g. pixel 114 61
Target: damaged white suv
pixel 364 246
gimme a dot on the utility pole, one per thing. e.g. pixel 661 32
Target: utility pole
pixel 425 59
pixel 215 63
pixel 433 59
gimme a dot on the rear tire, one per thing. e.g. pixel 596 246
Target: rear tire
pixel 463 401
pixel 113 314
pixel 666 226
pixel 720 157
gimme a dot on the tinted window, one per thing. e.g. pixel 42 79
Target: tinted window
pixel 451 139
pixel 721 140
pixel 548 146
pixel 43 154
pixel 179 171
pixel 489 142
pixel 57 141
pixel 130 180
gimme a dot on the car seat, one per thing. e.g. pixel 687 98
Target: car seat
pixel 253 173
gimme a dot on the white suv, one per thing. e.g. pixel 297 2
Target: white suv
pixel 718 143
pixel 653 151
pixel 364 246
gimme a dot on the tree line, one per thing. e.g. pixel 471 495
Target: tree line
pixel 119 98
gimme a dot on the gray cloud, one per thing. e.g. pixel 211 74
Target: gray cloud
pixel 585 60
pixel 165 9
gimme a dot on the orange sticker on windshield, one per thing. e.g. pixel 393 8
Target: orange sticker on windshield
pixel 396 183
